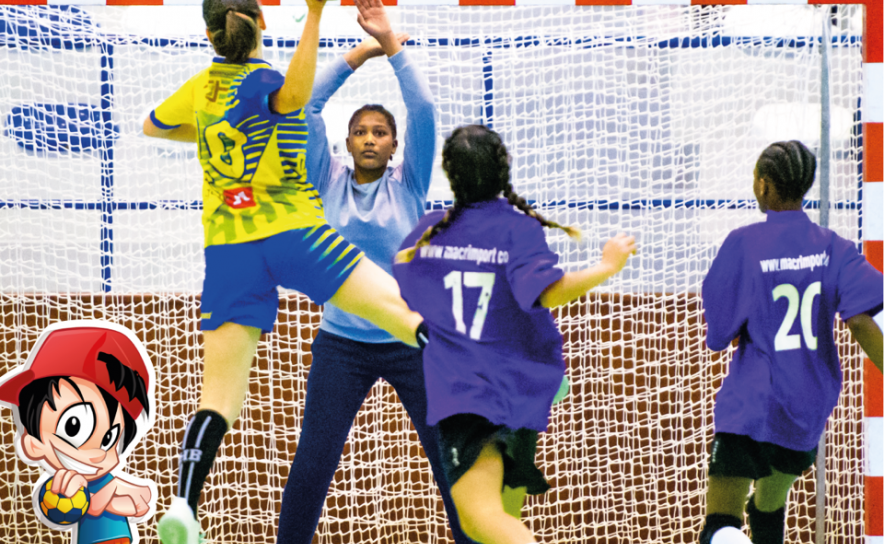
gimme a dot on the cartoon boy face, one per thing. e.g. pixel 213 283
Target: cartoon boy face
pixel 78 434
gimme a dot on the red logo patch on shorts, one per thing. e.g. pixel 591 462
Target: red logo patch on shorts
pixel 239 198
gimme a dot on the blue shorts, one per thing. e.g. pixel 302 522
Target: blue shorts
pixel 241 279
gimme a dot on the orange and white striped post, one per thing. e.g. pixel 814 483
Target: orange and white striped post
pixel 873 234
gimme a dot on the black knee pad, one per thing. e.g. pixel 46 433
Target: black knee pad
pixel 766 527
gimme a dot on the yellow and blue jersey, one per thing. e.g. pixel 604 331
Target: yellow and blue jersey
pixel 253 159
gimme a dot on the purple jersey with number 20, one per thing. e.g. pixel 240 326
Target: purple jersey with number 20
pixel 777 285
pixel 493 351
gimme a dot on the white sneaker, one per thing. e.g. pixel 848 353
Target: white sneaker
pixel 178 526
pixel 730 535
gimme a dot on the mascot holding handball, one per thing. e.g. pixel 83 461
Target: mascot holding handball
pixel 82 399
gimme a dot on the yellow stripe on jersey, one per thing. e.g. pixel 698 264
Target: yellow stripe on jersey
pixel 355 260
pixel 254 177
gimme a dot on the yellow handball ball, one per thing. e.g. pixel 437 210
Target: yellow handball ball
pixel 60 509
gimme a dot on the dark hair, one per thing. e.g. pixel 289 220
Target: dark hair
pixel 233 37
pixel 790 166
pixel 38 392
pixel 372 107
pixel 478 168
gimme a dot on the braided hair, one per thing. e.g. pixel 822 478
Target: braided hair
pixel 790 166
pixel 233 37
pixel 478 168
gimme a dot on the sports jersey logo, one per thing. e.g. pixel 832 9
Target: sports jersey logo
pixel 239 198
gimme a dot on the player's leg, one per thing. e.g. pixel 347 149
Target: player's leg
pixel 733 465
pixel 338 382
pixel 725 500
pixel 320 263
pixel 372 294
pixel 514 498
pixel 229 351
pixel 767 507
pixel 402 367
pixel 479 503
pixel 234 313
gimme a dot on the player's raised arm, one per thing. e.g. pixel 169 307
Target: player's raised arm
pixel 574 285
pixel 373 19
pixel 295 92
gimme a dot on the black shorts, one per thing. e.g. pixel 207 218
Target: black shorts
pixel 462 437
pixel 738 456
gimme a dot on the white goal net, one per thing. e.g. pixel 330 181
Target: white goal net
pixel 645 120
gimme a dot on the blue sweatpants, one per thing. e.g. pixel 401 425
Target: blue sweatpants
pixel 341 375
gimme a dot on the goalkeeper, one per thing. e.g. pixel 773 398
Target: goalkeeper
pixel 263 223
pixel 373 205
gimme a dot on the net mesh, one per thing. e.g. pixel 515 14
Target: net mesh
pixel 645 120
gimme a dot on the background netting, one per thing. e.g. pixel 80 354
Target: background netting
pixel 643 120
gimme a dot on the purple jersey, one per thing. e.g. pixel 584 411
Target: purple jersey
pixel 777 285
pixel 494 350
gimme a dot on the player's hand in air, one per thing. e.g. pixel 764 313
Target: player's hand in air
pixel 617 251
pixel 370 48
pixel 373 17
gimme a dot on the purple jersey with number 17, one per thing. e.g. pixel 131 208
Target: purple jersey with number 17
pixel 777 286
pixel 493 351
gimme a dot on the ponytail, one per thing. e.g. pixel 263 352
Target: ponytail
pixel 406 255
pixel 233 27
pixel 526 208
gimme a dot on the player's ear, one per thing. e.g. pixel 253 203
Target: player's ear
pixel 763 186
pixel 32 448
pixel 395 147
pixel 261 24
pixel 209 35
pixel 347 141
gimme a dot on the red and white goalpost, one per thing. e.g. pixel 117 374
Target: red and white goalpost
pixel 644 117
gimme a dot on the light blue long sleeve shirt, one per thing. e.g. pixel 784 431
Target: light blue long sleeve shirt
pixel 375 216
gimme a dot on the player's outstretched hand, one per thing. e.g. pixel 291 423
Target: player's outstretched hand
pixel 370 48
pixel 67 482
pixel 373 17
pixel 617 251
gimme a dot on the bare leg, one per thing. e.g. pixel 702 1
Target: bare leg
pixel 479 503
pixel 725 500
pixel 372 294
pixel 727 495
pixel 767 511
pixel 772 491
pixel 229 351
